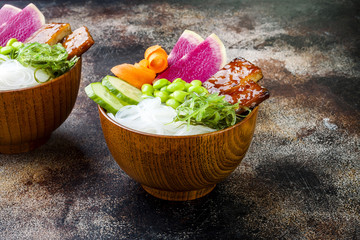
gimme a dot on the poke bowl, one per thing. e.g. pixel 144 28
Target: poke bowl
pixel 178 124
pixel 40 71
pixel 28 116
pixel 178 168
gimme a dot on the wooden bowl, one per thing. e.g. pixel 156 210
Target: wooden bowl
pixel 28 116
pixel 178 167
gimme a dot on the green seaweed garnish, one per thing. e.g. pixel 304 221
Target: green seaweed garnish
pixel 51 59
pixel 210 110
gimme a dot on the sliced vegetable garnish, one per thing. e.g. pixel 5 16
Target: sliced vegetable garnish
pixel 144 63
pixel 127 93
pixel 136 74
pixel 37 80
pixel 51 59
pixel 209 110
pixel 157 58
pixel 102 96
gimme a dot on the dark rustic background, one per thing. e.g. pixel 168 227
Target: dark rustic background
pixel 301 176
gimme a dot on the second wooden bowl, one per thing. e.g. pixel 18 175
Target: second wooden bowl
pixel 28 116
pixel 178 167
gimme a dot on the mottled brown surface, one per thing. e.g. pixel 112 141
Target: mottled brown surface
pixel 301 176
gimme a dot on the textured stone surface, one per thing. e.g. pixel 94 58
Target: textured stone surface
pixel 301 176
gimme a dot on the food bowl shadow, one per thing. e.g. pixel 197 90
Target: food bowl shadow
pixel 178 168
pixel 28 116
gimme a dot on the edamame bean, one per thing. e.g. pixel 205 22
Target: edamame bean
pixel 147 89
pixel 175 86
pixel 162 95
pixel 196 89
pixel 205 90
pixel 179 80
pixel 6 50
pixel 164 89
pixel 196 83
pixel 172 103
pixel 179 95
pixel 161 83
pixel 11 41
pixel 17 45
pixel 187 85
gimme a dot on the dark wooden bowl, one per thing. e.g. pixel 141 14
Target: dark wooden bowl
pixel 178 167
pixel 28 116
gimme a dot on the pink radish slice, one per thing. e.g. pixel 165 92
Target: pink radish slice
pixel 6 12
pixel 201 63
pixel 22 25
pixel 187 42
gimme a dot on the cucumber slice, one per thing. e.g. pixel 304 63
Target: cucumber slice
pixel 102 96
pixel 127 93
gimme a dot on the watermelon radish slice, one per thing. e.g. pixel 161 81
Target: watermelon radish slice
pixel 8 11
pixel 185 44
pixel 22 25
pixel 201 63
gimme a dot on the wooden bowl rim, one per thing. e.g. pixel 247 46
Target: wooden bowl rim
pixel 102 111
pixel 43 84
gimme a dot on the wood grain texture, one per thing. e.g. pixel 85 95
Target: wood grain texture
pixel 178 167
pixel 28 116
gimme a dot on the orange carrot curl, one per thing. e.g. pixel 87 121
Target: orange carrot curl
pixel 157 58
pixel 144 71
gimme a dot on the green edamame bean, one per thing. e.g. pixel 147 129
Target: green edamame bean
pixel 187 86
pixel 196 83
pixel 164 89
pixel 196 89
pixel 179 95
pixel 161 83
pixel 11 41
pixel 17 45
pixel 147 89
pixel 6 50
pixel 179 80
pixel 172 103
pixel 205 90
pixel 162 95
pixel 175 86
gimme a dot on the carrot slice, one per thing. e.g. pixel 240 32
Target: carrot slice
pixel 158 62
pixel 150 50
pixel 144 71
pixel 136 75
pixel 144 63
pixel 157 58
pixel 147 73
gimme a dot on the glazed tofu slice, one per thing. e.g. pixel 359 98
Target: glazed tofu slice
pixel 238 71
pixel 78 42
pixel 50 33
pixel 237 81
pixel 249 94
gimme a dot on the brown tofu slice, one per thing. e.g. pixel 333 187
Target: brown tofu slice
pixel 249 94
pixel 78 42
pixel 238 71
pixel 50 33
pixel 237 81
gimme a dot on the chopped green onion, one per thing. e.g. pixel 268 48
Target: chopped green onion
pixel 208 109
pixel 37 80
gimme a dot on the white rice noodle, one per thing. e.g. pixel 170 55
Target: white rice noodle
pixel 13 75
pixel 151 116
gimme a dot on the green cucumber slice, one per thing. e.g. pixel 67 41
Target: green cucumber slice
pixel 127 93
pixel 102 96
